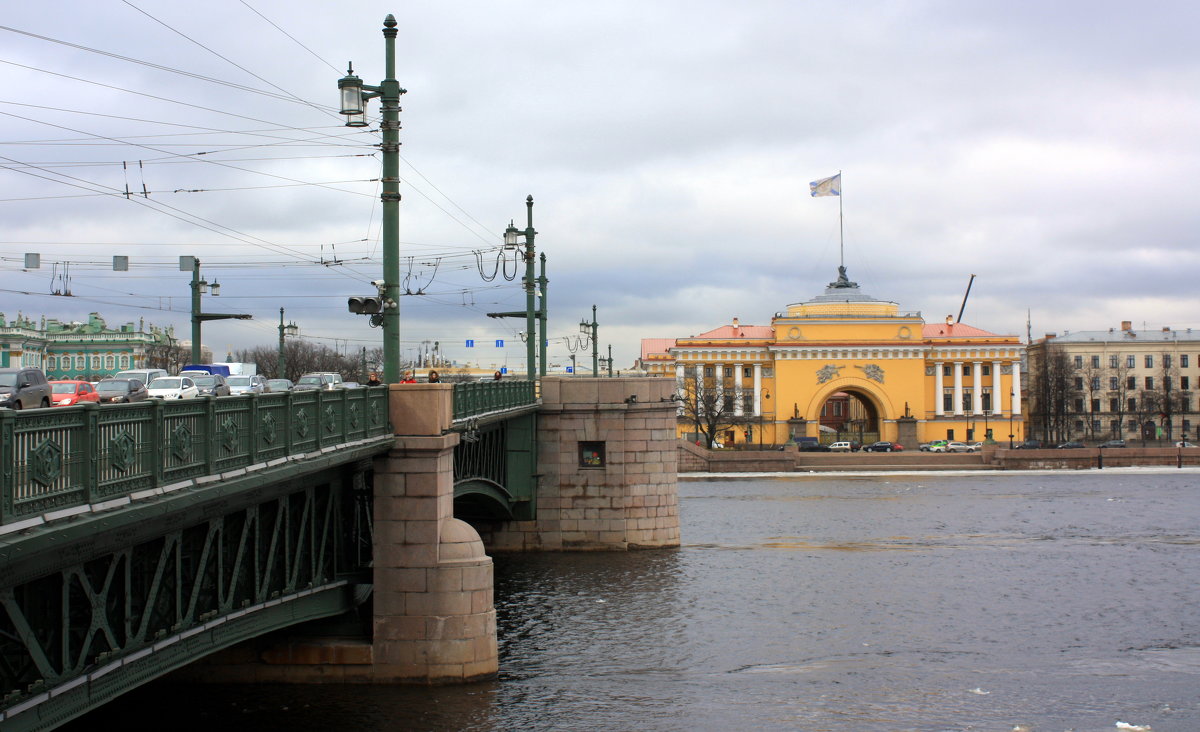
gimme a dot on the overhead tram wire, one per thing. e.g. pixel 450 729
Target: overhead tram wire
pixel 289 97
pixel 318 108
pixel 178 214
pixel 197 156
pixel 144 94
pixel 289 35
pixel 200 130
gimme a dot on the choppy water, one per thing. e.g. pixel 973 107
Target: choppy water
pixel 983 602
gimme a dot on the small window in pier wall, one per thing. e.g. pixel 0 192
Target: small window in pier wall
pixel 591 455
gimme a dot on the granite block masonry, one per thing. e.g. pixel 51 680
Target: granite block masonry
pixel 607 463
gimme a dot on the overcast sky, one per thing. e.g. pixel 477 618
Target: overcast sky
pixel 1048 148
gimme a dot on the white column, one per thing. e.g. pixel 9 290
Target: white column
pixel 758 390
pixel 977 387
pixel 737 390
pixel 939 408
pixel 958 405
pixel 1016 382
pixel 997 400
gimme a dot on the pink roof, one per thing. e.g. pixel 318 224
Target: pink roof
pixel 734 332
pixel 954 330
pixel 656 347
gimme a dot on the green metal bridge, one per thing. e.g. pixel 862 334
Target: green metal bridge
pixel 137 538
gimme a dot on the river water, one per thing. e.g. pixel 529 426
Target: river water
pixel 1057 601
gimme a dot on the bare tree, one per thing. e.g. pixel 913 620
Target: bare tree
pixel 1169 400
pixel 1119 391
pixel 1145 408
pixel 1092 375
pixel 302 357
pixel 1053 380
pixel 708 406
pixel 168 355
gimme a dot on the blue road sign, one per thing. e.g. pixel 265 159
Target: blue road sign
pixel 499 343
pixel 470 343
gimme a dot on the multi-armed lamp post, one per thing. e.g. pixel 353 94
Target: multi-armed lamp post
pixel 535 294
pixel 201 287
pixel 592 330
pixel 354 95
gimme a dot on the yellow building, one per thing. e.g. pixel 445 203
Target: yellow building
pixel 906 380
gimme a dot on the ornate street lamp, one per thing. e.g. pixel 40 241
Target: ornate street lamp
pixel 535 293
pixel 591 330
pixel 201 287
pixel 291 329
pixel 354 95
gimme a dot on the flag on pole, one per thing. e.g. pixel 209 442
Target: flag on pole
pixel 831 186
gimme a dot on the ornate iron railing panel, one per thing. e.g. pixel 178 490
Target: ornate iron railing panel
pixel 53 459
pixel 475 399
pixel 85 617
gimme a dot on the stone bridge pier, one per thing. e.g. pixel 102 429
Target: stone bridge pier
pixel 606 463
pixel 434 618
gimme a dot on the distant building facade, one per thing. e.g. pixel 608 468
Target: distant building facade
pixel 845 365
pixel 1115 384
pixel 89 351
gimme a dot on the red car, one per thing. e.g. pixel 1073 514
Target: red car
pixel 69 392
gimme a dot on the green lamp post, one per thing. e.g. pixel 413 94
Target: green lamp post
pixel 201 287
pixel 290 329
pixel 354 95
pixel 592 330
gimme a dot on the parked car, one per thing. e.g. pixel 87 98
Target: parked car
pixel 976 446
pixel 24 387
pixel 211 384
pixel 326 380
pixel 254 384
pixel 1029 445
pixel 884 447
pixel 1071 445
pixel 1184 443
pixel 1113 443
pixel 840 447
pixel 929 446
pixel 173 387
pixel 813 447
pixel 67 392
pixel 143 375
pixel 956 446
pixel 276 385
pixel 119 391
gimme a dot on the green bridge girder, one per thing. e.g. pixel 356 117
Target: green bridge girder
pixel 135 539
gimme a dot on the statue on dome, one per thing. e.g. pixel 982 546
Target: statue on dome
pixel 843 281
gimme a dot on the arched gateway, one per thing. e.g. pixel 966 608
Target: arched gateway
pixel 901 378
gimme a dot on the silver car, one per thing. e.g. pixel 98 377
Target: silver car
pixel 246 384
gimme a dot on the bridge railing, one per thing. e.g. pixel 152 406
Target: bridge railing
pixel 65 457
pixel 475 399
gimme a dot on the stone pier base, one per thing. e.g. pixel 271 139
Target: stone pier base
pixel 434 618
pixel 607 463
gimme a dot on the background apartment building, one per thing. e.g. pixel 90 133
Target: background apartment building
pixel 1114 384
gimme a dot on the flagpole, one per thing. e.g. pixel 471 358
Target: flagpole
pixel 841 227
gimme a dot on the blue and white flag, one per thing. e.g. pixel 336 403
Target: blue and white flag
pixel 827 186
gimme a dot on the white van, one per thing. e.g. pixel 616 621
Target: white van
pixel 143 375
pixel 840 447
